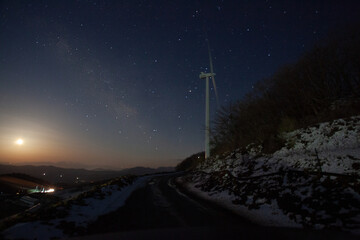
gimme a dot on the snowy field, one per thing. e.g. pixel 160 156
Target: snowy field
pixel 311 182
pixel 78 215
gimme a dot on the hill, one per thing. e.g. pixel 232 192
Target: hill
pixel 15 182
pixel 69 176
pixel 323 85
pixel 313 181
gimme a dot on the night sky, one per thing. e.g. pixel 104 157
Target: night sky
pixel 116 83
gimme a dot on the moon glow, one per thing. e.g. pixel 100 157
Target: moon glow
pixel 19 141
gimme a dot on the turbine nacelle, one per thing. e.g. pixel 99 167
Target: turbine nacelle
pixel 206 75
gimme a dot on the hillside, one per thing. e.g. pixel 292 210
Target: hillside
pixel 313 181
pixel 69 216
pixel 12 183
pixel 69 176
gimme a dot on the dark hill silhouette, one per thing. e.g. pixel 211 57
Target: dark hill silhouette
pixel 14 182
pixel 69 175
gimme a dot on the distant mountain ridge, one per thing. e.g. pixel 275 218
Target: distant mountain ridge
pixel 71 175
pixel 64 164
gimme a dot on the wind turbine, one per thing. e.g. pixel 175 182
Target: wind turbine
pixel 207 76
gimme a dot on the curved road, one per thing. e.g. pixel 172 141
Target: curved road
pixel 161 211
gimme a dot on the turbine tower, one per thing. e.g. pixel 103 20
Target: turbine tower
pixel 207 76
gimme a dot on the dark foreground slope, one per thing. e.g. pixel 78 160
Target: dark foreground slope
pixel 312 182
pixel 161 211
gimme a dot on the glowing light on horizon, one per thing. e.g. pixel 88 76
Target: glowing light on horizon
pixel 50 190
pixel 19 142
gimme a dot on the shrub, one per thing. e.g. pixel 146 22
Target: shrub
pixel 322 86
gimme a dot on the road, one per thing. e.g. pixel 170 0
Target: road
pixel 160 210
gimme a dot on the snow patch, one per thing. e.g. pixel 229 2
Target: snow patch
pixel 79 215
pixel 287 188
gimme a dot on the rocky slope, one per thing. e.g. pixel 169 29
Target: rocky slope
pixel 313 181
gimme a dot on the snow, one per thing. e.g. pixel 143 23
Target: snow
pixel 251 184
pixel 336 144
pixel 80 215
pixel 327 136
pixel 267 214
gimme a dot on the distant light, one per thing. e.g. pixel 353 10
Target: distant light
pixel 44 174
pixel 50 190
pixel 19 141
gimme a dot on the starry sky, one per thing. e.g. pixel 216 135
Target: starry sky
pixel 116 84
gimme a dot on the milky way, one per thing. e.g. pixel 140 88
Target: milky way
pixel 116 83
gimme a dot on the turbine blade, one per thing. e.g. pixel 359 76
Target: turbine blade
pixel 216 93
pixel 210 59
pixel 213 75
